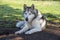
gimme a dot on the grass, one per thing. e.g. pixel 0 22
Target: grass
pixel 12 9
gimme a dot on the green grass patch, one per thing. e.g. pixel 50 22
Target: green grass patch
pixel 13 9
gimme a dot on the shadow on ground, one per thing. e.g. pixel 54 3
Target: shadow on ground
pixel 52 19
pixel 9 16
pixel 9 13
pixel 9 35
pixel 52 16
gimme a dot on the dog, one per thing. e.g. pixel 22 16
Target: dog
pixel 33 22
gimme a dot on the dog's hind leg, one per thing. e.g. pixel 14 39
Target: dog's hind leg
pixel 43 25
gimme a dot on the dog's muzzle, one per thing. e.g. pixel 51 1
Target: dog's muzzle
pixel 26 18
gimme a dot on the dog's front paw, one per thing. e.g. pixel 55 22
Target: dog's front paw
pixel 28 32
pixel 17 32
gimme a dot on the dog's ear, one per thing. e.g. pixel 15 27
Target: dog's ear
pixel 32 7
pixel 36 12
pixel 25 6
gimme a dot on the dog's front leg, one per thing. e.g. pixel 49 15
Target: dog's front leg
pixel 20 24
pixel 25 28
pixel 35 29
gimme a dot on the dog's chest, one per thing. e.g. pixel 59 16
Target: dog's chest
pixel 35 23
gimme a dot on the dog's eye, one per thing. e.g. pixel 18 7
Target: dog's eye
pixel 25 13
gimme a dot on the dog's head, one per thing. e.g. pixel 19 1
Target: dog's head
pixel 30 13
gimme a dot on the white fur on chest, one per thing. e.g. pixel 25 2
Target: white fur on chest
pixel 35 23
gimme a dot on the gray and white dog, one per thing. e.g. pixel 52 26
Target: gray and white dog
pixel 33 22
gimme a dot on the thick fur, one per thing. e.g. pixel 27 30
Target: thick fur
pixel 34 21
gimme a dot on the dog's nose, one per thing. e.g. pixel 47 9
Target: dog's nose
pixel 26 18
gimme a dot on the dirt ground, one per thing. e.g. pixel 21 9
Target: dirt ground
pixel 47 34
pixel 50 33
